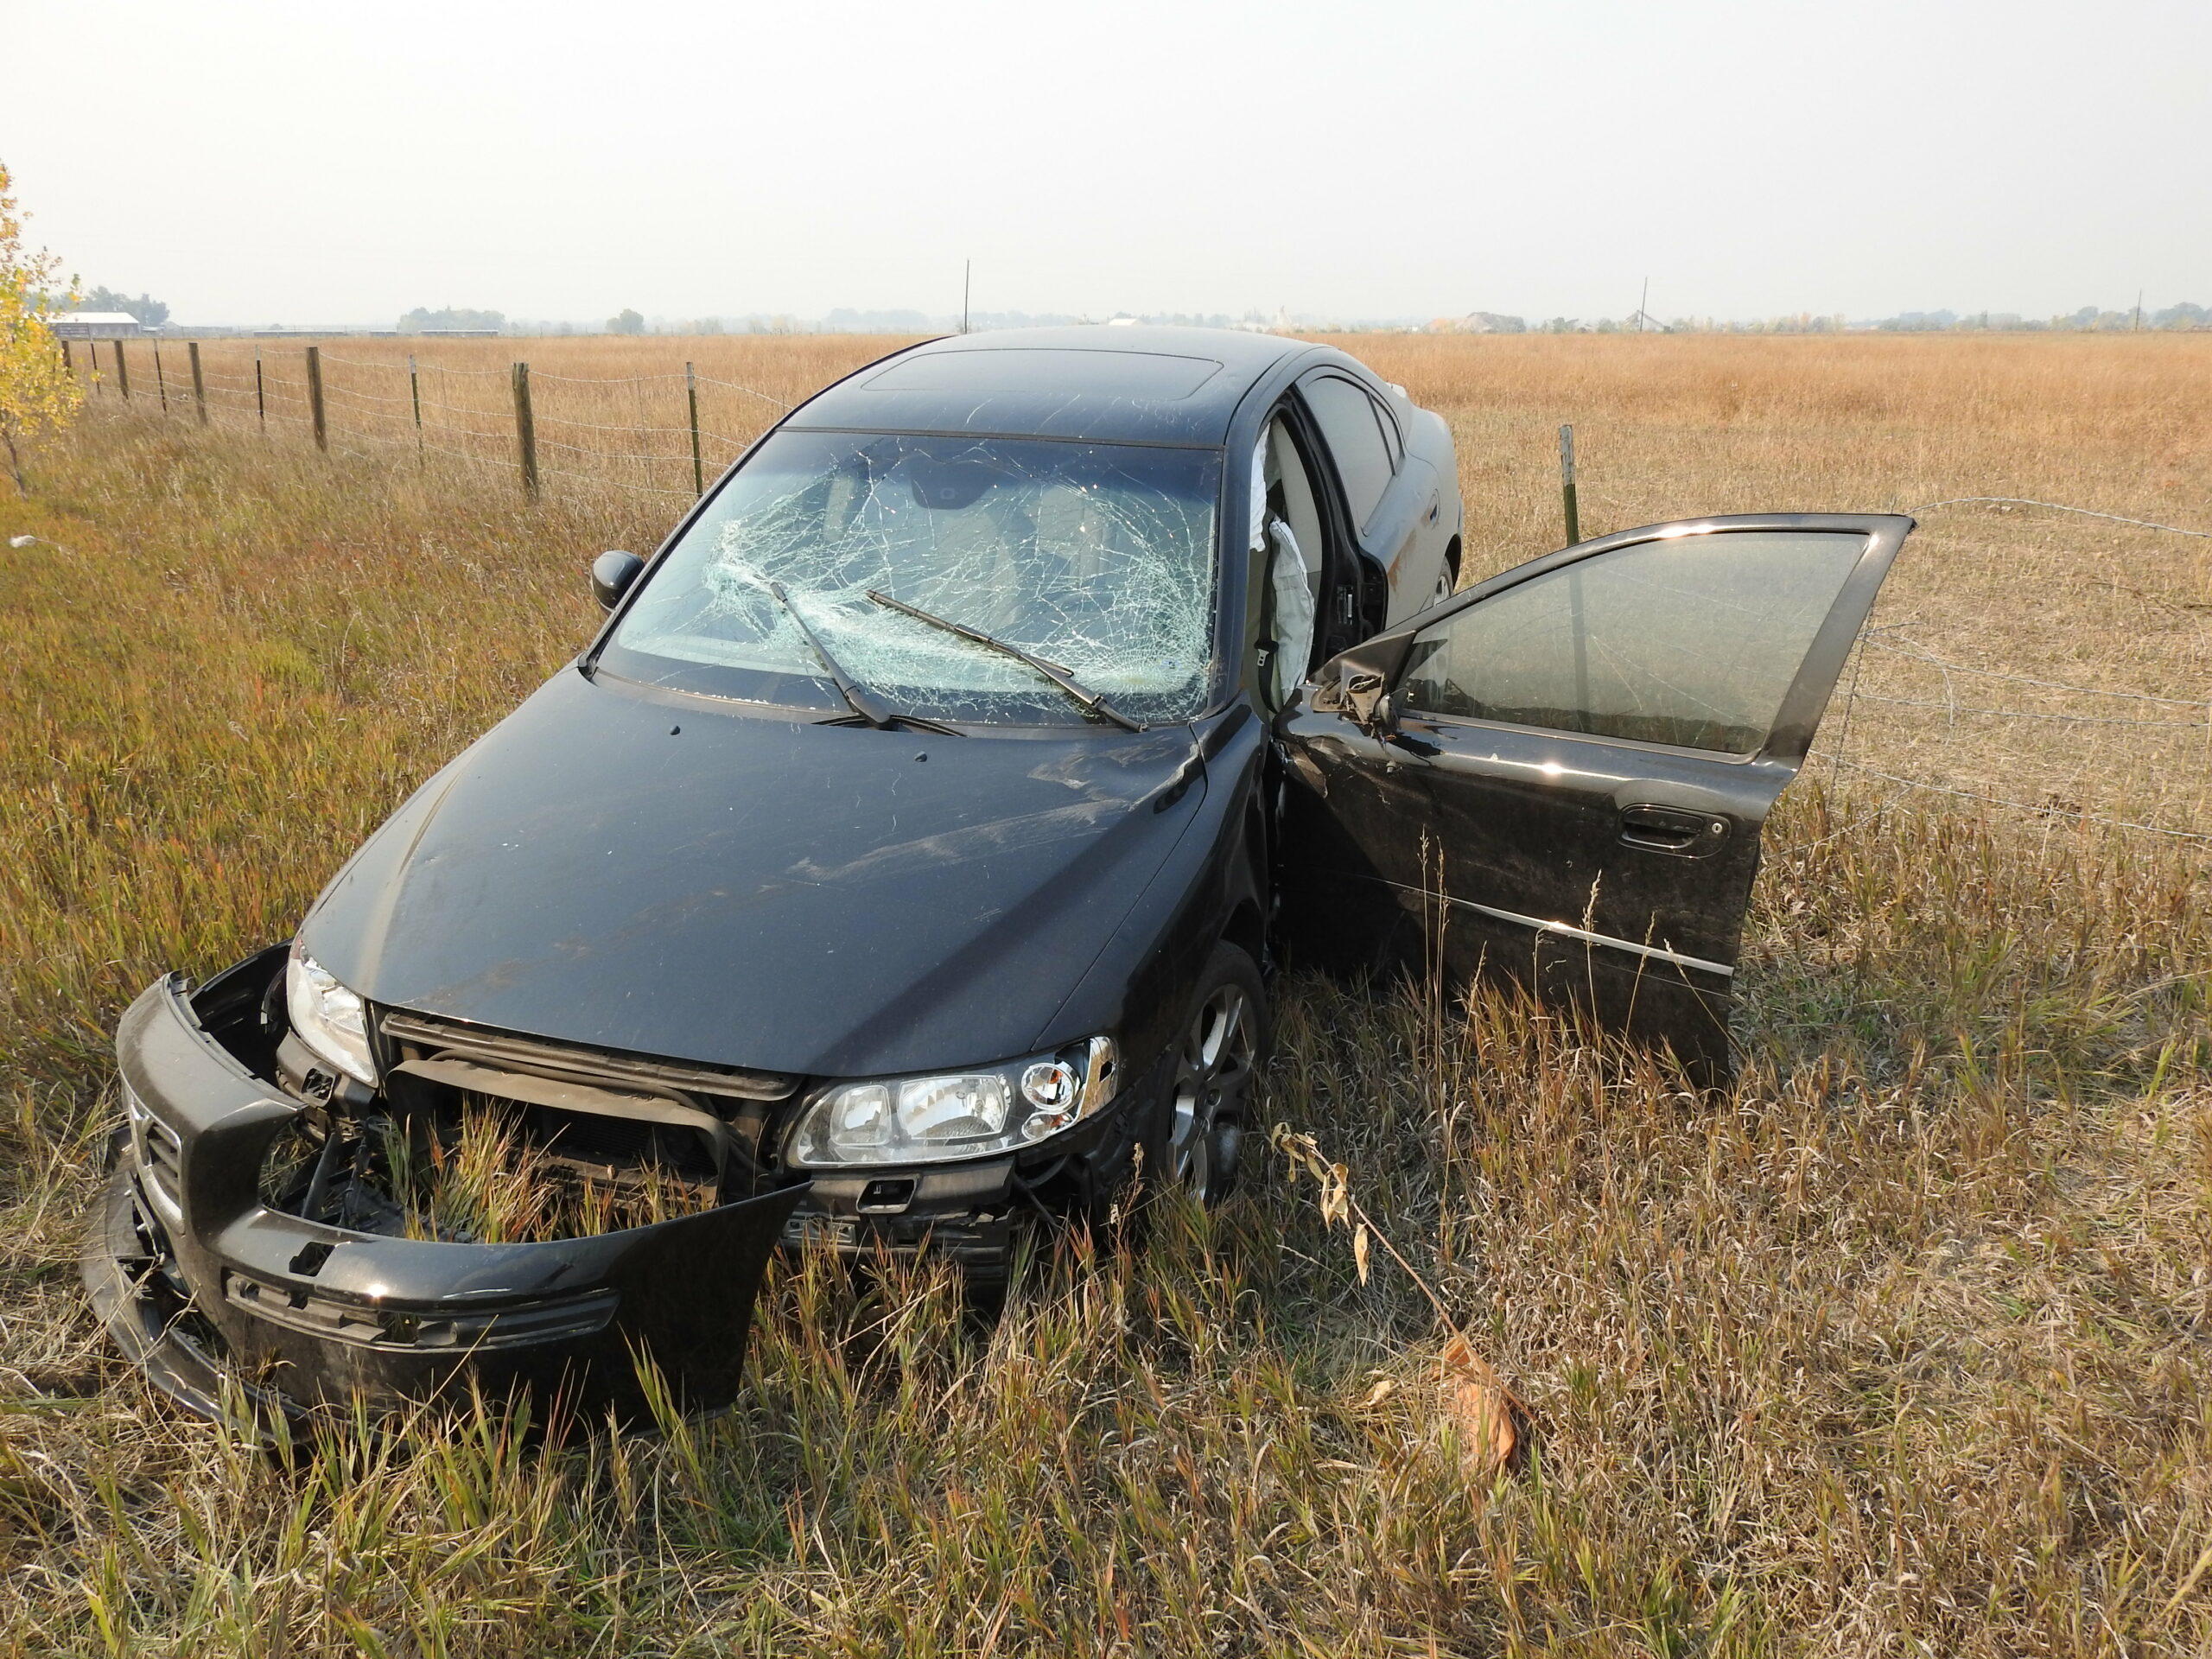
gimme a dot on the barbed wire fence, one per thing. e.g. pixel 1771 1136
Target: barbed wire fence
pixel 600 432
pixel 680 429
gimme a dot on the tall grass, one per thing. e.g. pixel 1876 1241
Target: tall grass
pixel 1897 1348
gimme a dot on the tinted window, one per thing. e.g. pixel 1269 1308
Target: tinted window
pixel 1095 557
pixel 1348 419
pixel 1691 640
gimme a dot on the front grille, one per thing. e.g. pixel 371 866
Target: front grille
pixel 424 1034
pixel 155 1146
pixel 164 1156
pixel 367 1325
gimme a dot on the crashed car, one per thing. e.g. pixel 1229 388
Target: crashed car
pixel 910 854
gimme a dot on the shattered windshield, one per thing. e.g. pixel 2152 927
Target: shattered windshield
pixel 1096 557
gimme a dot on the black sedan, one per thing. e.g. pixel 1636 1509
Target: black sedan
pixel 910 854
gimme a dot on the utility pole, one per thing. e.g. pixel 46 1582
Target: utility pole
pixel 1644 306
pixel 966 270
pixel 2137 328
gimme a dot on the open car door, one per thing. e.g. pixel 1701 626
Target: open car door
pixel 1561 774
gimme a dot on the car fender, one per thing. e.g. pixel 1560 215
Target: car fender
pixel 1139 984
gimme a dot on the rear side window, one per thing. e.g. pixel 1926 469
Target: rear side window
pixel 1351 426
pixel 1693 640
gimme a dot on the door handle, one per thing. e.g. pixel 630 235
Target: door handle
pixel 1672 830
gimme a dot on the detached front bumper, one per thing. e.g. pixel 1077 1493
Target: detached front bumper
pixel 229 1305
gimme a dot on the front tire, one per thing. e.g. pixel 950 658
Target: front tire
pixel 1219 1054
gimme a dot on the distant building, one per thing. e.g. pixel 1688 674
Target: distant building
pixel 99 325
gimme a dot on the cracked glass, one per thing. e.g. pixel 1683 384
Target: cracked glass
pixel 1690 640
pixel 1097 557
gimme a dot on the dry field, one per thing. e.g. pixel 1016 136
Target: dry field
pixel 1900 1347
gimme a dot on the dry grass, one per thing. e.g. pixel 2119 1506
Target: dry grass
pixel 1900 1347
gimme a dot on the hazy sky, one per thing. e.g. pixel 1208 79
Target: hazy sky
pixel 343 161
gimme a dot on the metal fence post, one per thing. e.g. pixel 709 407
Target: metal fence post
pixel 691 392
pixel 1566 484
pixel 199 386
pixel 122 370
pixel 161 386
pixel 260 395
pixel 93 346
pixel 414 392
pixel 315 396
pixel 526 431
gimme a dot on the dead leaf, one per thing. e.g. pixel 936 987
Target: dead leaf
pixel 1359 1252
pixel 1384 1389
pixel 1481 1409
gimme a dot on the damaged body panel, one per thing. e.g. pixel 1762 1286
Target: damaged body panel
pixel 907 859
pixel 230 1302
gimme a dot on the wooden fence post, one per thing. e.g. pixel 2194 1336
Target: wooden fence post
pixel 93 346
pixel 161 386
pixel 260 397
pixel 68 363
pixel 526 431
pixel 122 370
pixel 414 392
pixel 1566 485
pixel 199 386
pixel 691 392
pixel 315 396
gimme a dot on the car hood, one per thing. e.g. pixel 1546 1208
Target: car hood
pixel 687 880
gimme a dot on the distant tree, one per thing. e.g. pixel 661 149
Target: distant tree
pixel 149 311
pixel 451 316
pixel 626 322
pixel 36 391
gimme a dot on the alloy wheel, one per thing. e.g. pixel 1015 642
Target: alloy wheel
pixel 1213 1074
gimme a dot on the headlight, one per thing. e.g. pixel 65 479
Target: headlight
pixel 957 1115
pixel 329 1019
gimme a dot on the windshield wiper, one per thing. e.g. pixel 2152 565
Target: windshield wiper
pixel 864 703
pixel 1090 702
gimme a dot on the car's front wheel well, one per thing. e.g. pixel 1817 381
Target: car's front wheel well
pixel 1247 928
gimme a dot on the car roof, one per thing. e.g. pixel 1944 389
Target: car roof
pixel 1105 384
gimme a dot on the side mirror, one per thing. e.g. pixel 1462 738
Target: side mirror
pixel 1367 699
pixel 612 573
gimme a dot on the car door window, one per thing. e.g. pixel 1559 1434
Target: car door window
pixel 1350 424
pixel 1691 640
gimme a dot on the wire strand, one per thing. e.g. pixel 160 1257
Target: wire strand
pixel 2023 679
pixel 2030 713
pixel 2027 806
pixel 2056 506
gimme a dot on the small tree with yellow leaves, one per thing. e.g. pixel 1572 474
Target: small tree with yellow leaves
pixel 36 391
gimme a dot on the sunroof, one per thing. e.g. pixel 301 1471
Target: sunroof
pixel 1151 375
